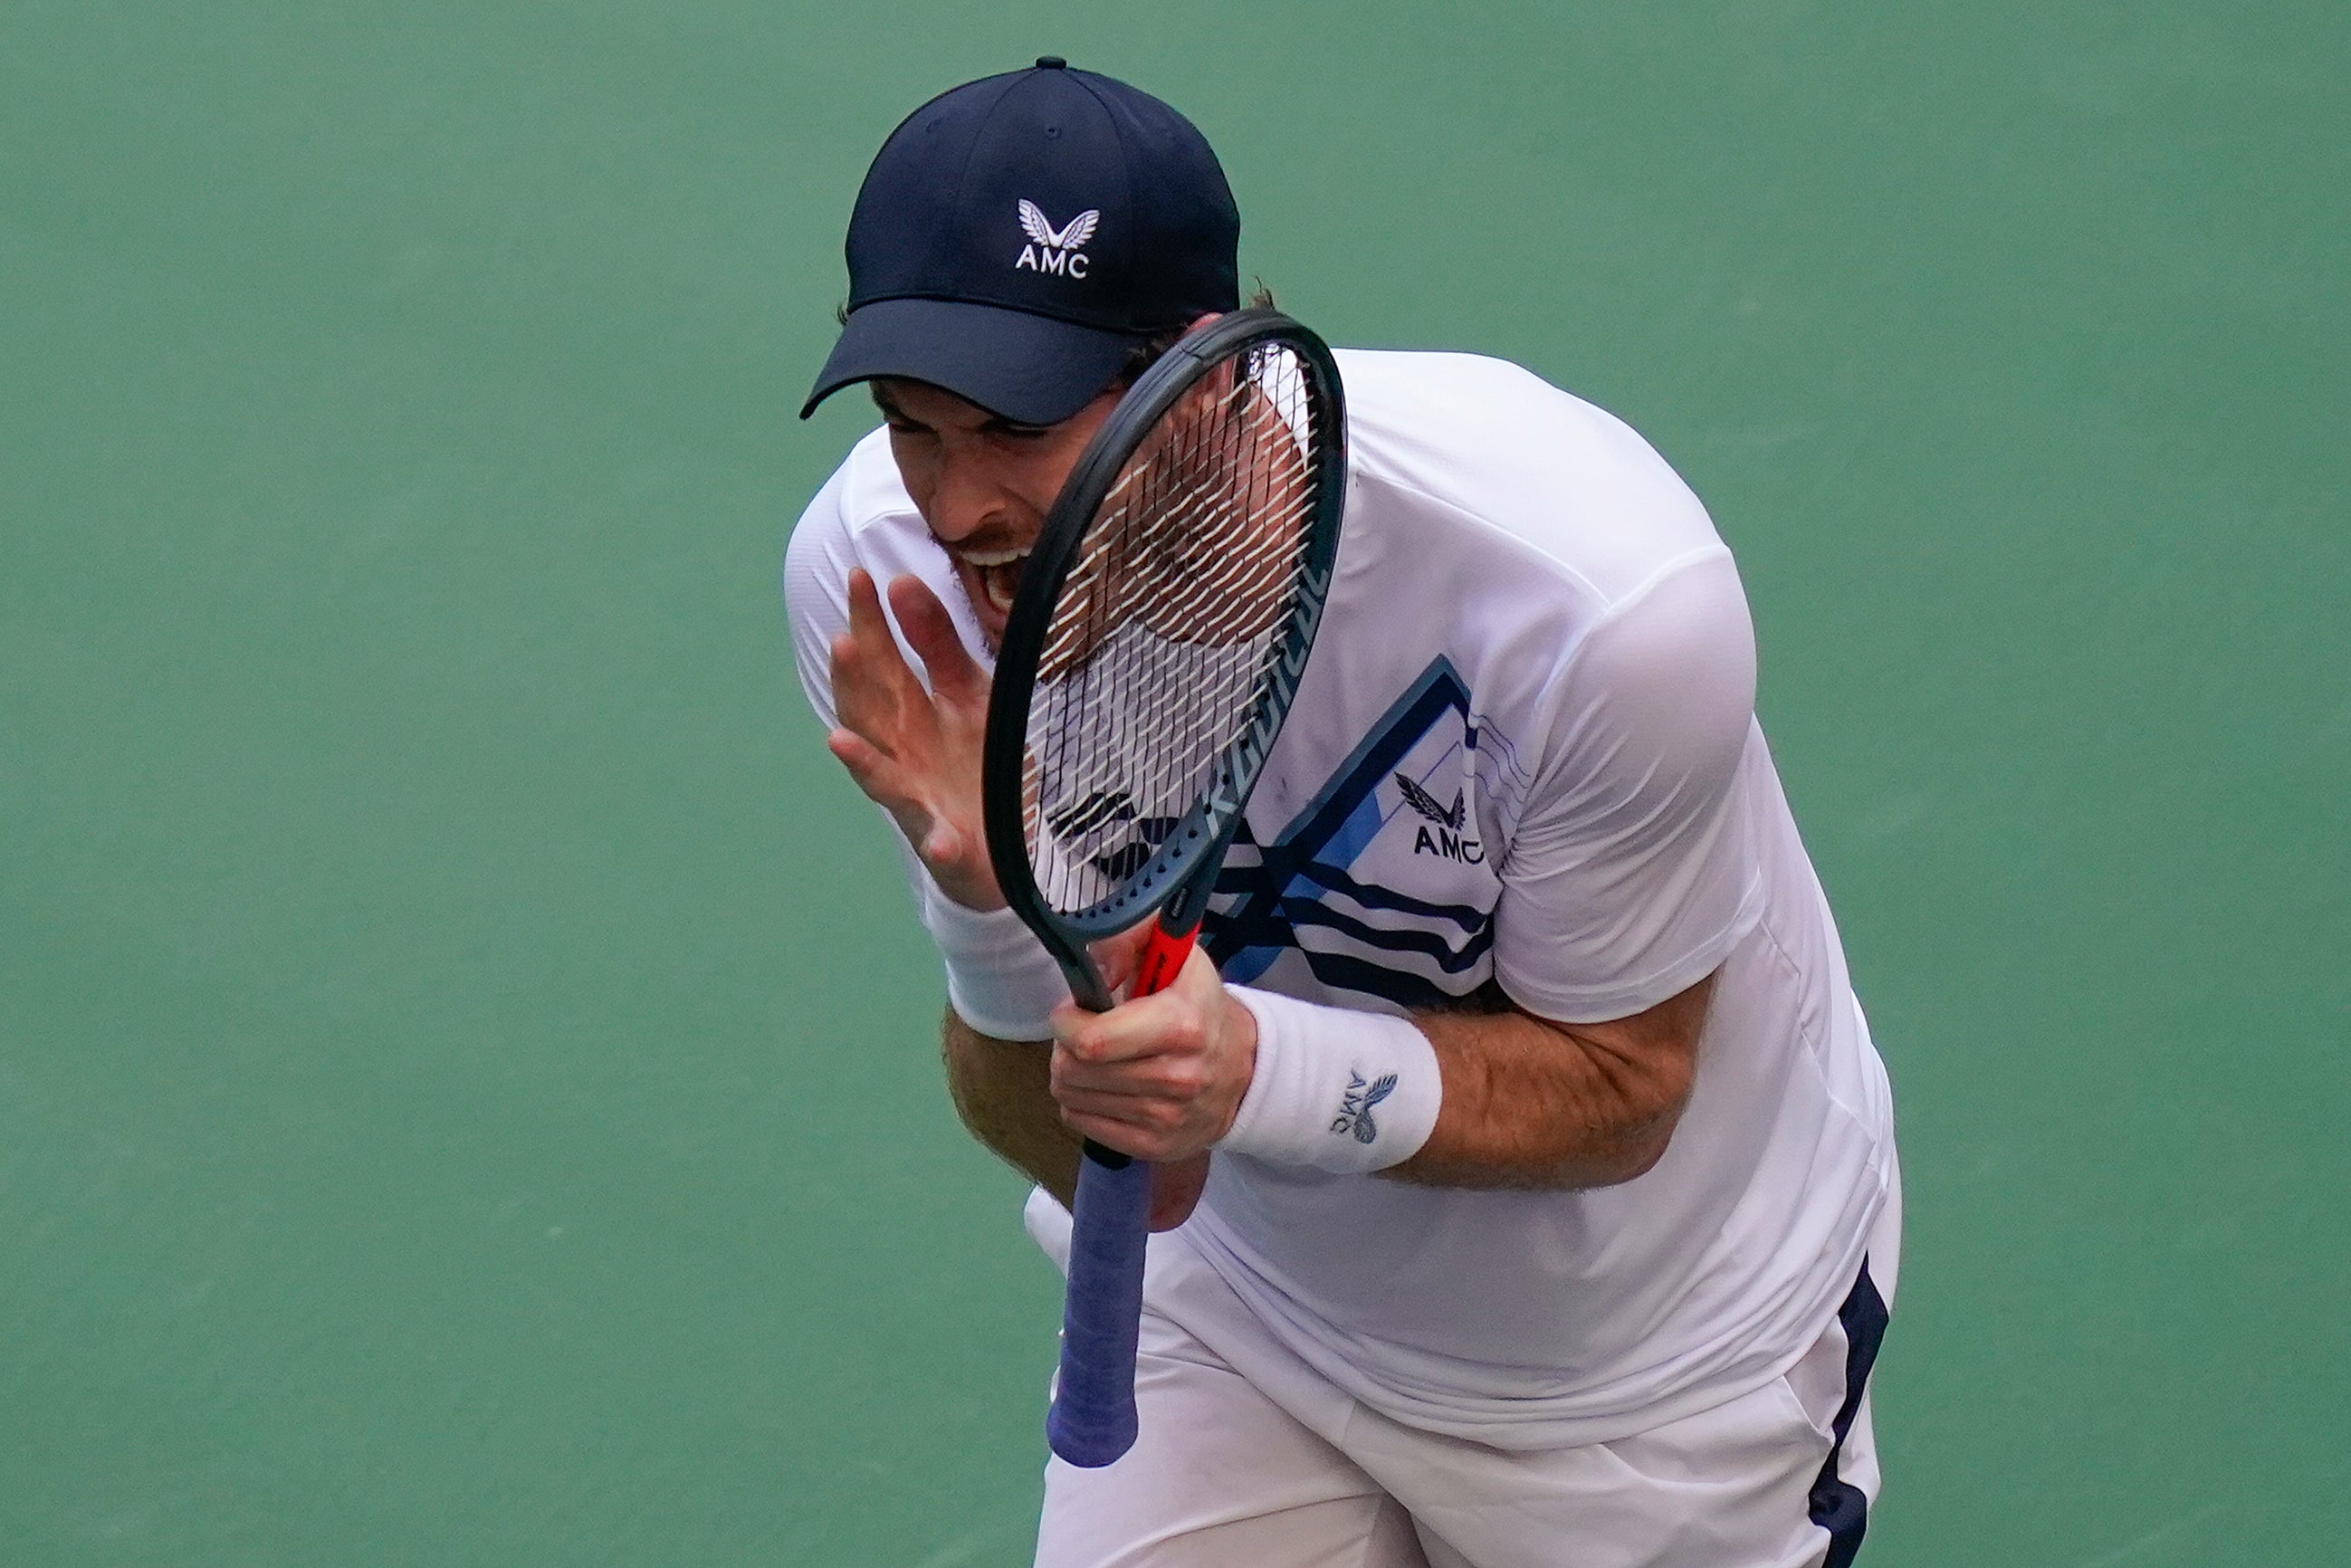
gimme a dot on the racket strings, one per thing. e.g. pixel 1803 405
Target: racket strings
pixel 1166 639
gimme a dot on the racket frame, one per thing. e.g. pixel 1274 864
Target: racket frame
pixel 1177 879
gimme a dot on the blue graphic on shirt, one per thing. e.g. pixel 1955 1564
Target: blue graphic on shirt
pixel 1422 952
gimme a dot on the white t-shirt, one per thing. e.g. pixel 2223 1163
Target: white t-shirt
pixel 1524 751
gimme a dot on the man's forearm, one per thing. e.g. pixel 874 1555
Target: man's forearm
pixel 1531 1103
pixel 1002 1091
pixel 1527 1103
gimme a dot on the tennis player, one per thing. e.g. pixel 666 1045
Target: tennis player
pixel 1528 1191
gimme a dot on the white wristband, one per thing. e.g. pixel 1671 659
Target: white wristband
pixel 1000 980
pixel 1334 1088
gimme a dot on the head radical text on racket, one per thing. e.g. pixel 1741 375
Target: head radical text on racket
pixel 1158 635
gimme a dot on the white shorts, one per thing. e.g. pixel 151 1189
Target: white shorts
pixel 1249 1459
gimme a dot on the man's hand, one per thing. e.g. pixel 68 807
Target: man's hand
pixel 1161 1077
pixel 916 752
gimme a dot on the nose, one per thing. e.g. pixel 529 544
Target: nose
pixel 966 499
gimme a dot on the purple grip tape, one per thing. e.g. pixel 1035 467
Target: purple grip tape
pixel 1093 1421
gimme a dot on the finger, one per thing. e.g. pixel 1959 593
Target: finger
pixel 1200 974
pixel 872 770
pixel 1127 1139
pixel 1168 1135
pixel 887 785
pixel 860 700
pixel 1115 955
pixel 1157 1138
pixel 871 652
pixel 870 684
pixel 930 630
pixel 1142 1110
pixel 868 627
pixel 865 599
pixel 1120 1084
pixel 1124 1109
pixel 1178 1076
pixel 1166 1024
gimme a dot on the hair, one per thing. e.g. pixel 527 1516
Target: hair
pixel 1149 351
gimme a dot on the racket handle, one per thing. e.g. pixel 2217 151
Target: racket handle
pixel 1162 958
pixel 1093 1421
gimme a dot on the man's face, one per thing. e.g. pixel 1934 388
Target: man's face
pixel 982 484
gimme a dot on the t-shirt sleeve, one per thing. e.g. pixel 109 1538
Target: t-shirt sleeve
pixel 817 563
pixel 1630 875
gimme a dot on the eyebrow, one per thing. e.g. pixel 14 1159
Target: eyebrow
pixel 996 421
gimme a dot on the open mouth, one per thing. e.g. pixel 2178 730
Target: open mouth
pixel 1000 575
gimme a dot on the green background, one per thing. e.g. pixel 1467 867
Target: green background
pixel 466 1090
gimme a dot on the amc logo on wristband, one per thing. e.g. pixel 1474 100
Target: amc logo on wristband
pixel 1355 1105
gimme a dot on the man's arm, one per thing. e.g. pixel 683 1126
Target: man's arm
pixel 1526 1103
pixel 1003 1091
pixel 1533 1103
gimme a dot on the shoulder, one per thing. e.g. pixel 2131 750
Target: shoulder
pixel 861 517
pixel 1555 482
pixel 1573 580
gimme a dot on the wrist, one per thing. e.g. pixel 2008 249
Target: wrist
pixel 1000 980
pixel 1331 1088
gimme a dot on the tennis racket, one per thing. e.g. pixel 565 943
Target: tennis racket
pixel 1158 635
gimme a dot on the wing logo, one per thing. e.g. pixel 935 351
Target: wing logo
pixel 1445 839
pixel 1060 251
pixel 1355 1105
pixel 1421 801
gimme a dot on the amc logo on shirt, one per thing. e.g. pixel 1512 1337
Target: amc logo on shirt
pixel 1382 878
pixel 1445 837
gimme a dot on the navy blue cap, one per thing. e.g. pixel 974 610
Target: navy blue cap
pixel 1018 236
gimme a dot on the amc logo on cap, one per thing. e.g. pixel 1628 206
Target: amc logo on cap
pixel 1055 250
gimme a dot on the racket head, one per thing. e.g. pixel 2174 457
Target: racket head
pixel 1159 632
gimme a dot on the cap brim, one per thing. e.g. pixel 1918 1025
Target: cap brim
pixel 1029 369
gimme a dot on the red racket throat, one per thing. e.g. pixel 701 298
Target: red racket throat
pixel 1162 959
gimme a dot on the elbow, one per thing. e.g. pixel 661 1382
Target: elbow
pixel 1639 1154
pixel 1637 1142
pixel 1628 1156
pixel 960 1053
pixel 1651 1106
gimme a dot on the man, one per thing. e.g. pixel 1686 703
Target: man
pixel 1599 1278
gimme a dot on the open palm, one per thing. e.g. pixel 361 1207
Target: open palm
pixel 914 749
